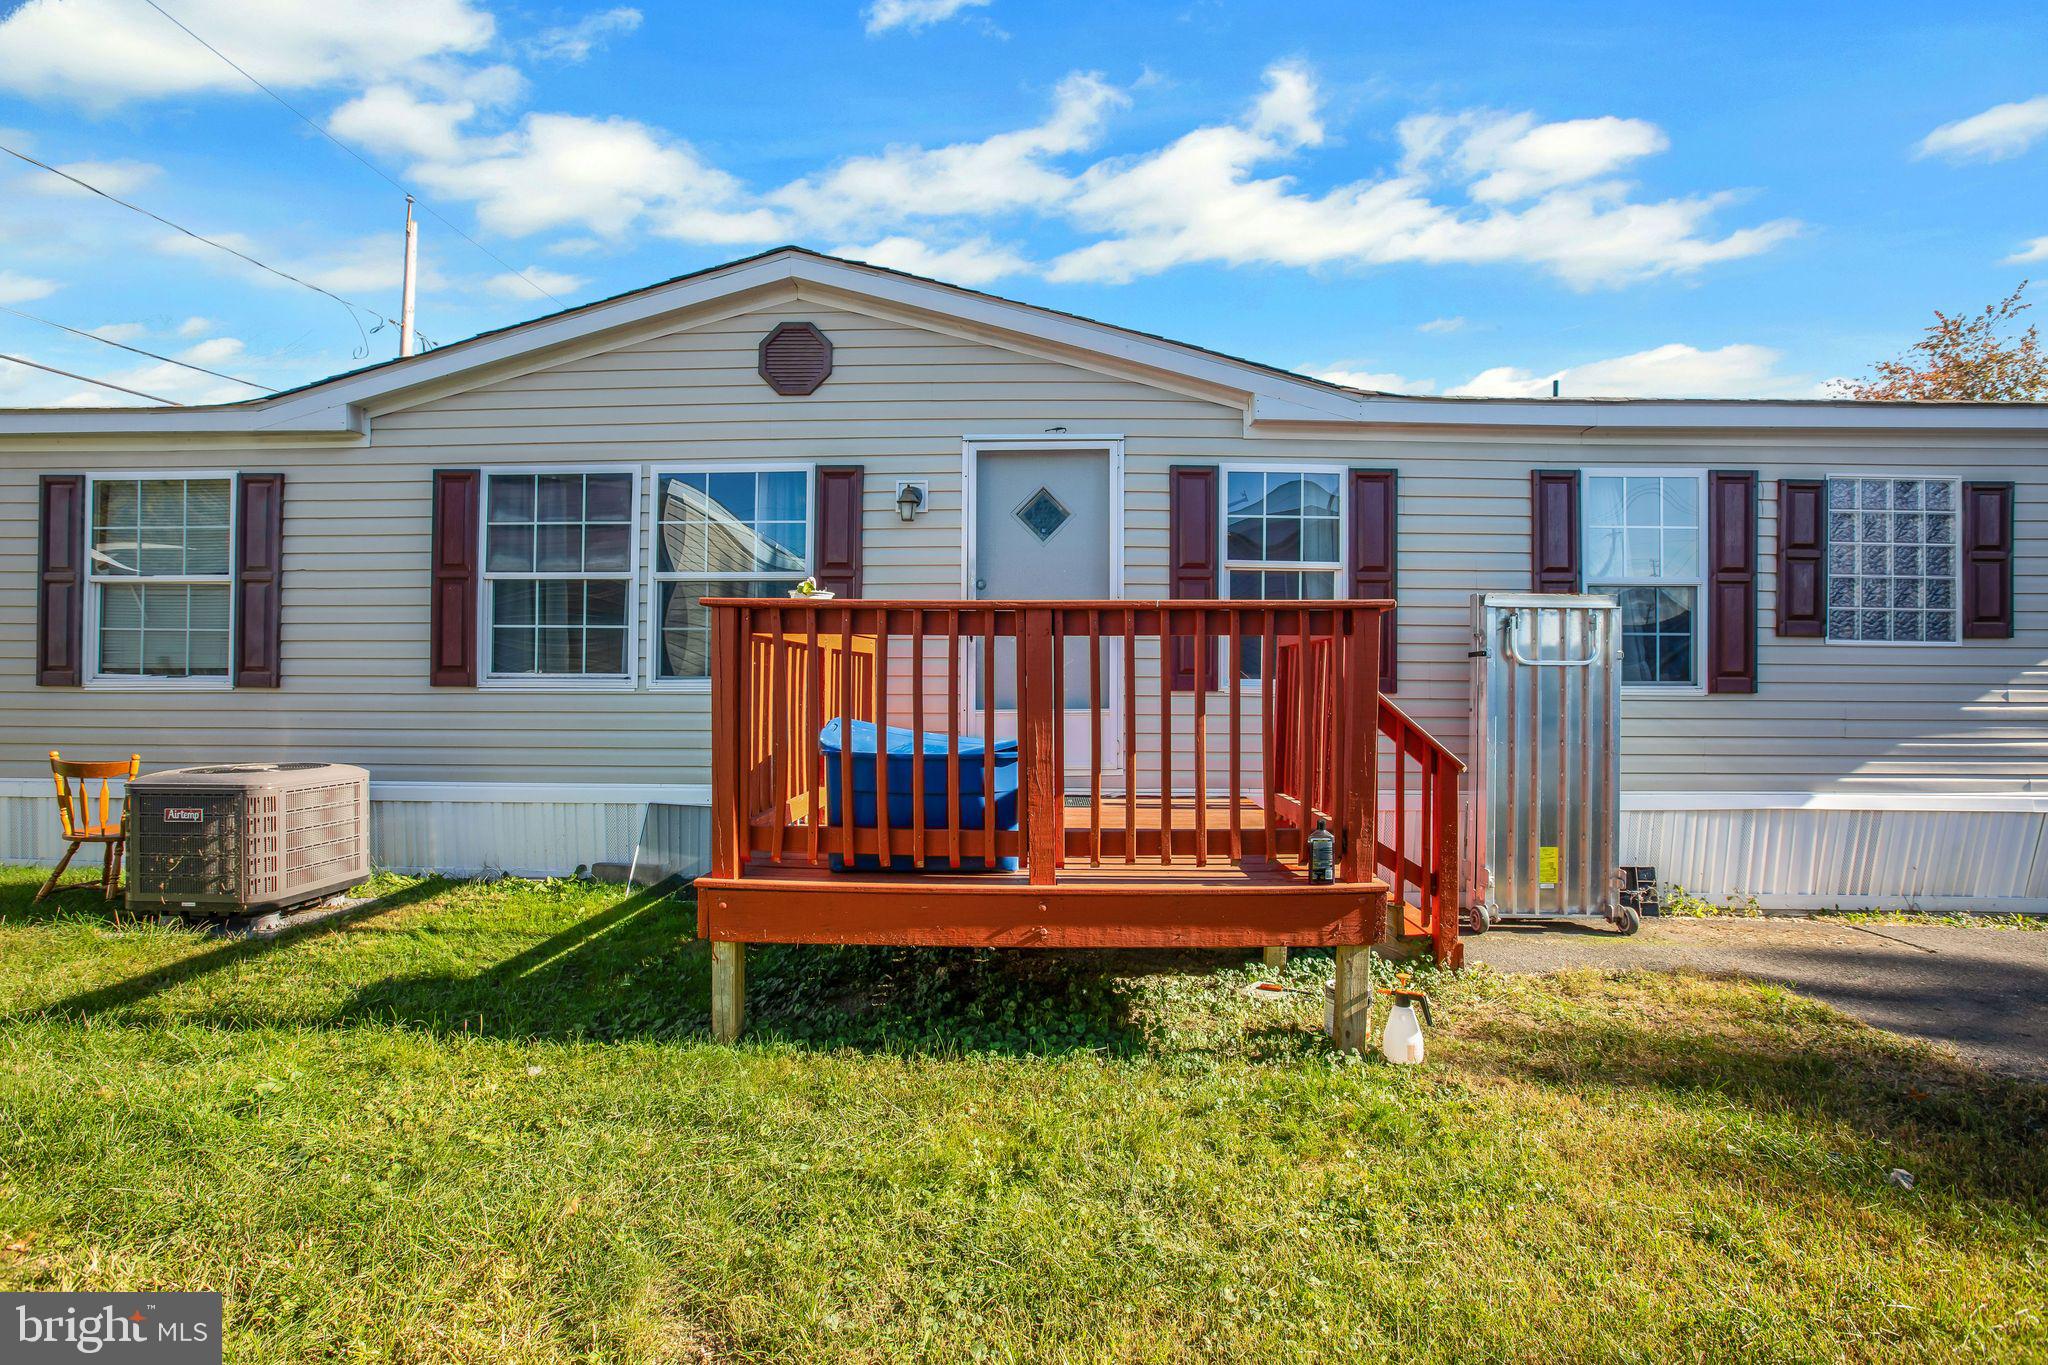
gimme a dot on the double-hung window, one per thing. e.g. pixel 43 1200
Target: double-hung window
pixel 162 598
pixel 559 567
pixel 1892 560
pixel 1642 547
pixel 1282 537
pixel 721 533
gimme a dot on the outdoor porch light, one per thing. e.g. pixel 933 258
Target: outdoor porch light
pixel 909 500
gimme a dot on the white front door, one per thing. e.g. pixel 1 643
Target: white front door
pixel 1043 524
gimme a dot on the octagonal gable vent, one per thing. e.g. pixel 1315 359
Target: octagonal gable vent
pixel 795 358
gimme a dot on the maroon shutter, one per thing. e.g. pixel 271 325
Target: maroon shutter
pixel 1373 553
pixel 60 592
pixel 1802 558
pixel 259 580
pixel 836 562
pixel 1554 530
pixel 1193 544
pixel 1731 580
pixel 1987 561
pixel 456 556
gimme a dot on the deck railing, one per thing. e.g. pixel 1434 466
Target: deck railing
pixel 1287 728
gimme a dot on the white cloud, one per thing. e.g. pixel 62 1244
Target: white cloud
pixel 971 262
pixel 1510 157
pixel 2036 250
pixel 195 326
pixel 884 15
pixel 1000 174
pixel 1200 199
pixel 1440 326
pixel 163 380
pixel 1376 381
pixel 362 269
pixel 395 120
pixel 719 227
pixel 121 331
pixel 213 351
pixel 107 52
pixel 511 286
pixel 1670 371
pixel 18 288
pixel 1287 111
pixel 575 42
pixel 372 266
pixel 552 171
pixel 2001 131
pixel 115 177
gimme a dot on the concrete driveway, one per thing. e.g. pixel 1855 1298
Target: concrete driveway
pixel 1983 991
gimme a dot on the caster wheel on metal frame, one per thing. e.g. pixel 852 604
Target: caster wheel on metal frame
pixel 1477 921
pixel 1629 920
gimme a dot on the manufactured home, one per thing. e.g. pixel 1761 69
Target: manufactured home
pixel 537 583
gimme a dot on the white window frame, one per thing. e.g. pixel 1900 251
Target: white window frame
pixel 1698 583
pixel 1956 569
pixel 655 577
pixel 1341 567
pixel 90 624
pixel 558 682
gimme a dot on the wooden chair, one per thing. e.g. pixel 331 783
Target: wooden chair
pixel 74 805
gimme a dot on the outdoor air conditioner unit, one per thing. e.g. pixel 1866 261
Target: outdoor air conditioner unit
pixel 243 837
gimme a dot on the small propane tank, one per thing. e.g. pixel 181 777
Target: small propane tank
pixel 1401 1040
pixel 1322 854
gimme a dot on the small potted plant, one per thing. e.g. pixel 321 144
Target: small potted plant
pixel 809 588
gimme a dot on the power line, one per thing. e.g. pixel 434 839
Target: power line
pixel 374 168
pixel 109 341
pixel 198 237
pixel 88 379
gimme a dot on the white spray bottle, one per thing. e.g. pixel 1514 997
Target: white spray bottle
pixel 1401 1040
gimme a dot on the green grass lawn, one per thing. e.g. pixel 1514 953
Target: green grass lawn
pixel 486 1123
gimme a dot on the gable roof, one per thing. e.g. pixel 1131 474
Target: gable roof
pixel 1271 397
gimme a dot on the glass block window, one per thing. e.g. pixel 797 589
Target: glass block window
pixel 1892 560
pixel 721 533
pixel 159 565
pixel 558 574
pixel 1282 538
pixel 1642 547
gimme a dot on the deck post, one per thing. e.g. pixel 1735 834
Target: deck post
pixel 728 990
pixel 1043 767
pixel 1276 958
pixel 1449 892
pixel 728 847
pixel 1360 817
pixel 1354 997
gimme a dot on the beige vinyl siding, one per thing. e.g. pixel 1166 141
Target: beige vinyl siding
pixel 1967 717
pixel 356 544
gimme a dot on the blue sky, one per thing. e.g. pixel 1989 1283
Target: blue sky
pixel 1723 199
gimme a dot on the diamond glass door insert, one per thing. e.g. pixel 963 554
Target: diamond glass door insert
pixel 1043 513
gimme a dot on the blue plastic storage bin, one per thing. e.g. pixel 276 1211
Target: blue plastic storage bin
pixel 904 749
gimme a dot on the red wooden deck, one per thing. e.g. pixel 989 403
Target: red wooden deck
pixel 1215 856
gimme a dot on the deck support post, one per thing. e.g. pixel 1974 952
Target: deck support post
pixel 728 990
pixel 1042 771
pixel 1276 958
pixel 1354 997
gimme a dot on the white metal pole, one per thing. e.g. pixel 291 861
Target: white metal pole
pixel 412 243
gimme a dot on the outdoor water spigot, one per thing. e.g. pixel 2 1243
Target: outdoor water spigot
pixel 1322 854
